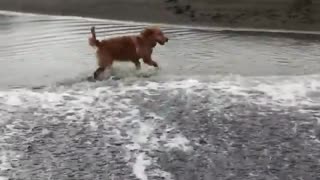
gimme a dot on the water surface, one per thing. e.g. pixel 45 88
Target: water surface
pixel 225 105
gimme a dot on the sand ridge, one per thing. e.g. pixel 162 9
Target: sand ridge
pixel 275 14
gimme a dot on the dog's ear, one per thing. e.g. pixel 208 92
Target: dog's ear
pixel 147 32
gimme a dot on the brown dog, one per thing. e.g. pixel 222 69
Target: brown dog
pixel 127 48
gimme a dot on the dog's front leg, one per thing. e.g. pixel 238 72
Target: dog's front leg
pixel 148 60
pixel 98 72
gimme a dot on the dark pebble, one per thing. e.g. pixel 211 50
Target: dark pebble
pixel 178 10
pixel 187 7
pixel 202 141
pixel 171 1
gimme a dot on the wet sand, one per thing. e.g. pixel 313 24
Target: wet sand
pixel 269 14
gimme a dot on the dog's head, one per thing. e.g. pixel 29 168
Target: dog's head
pixel 154 35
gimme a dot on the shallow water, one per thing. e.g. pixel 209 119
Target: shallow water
pixel 225 105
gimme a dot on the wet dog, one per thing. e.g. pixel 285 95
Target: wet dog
pixel 126 48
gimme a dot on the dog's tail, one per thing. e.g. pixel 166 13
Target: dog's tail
pixel 93 39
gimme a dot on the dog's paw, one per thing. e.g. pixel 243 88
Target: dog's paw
pixel 115 78
pixel 91 79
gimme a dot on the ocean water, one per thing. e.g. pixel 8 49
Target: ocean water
pixel 224 105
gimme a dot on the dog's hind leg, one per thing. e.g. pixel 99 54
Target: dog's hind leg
pixel 104 62
pixel 137 64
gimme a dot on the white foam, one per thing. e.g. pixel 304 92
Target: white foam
pixel 145 131
pixel 140 166
pixel 178 142
pixel 4 162
pixel 163 174
pixel 45 131
pixel 4 165
pixel 287 91
pixel 14 101
pixel 290 92
pixel 114 108
pixel 93 125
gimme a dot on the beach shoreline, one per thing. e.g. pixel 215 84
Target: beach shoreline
pixel 183 12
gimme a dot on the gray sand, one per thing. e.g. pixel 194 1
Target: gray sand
pixel 274 14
